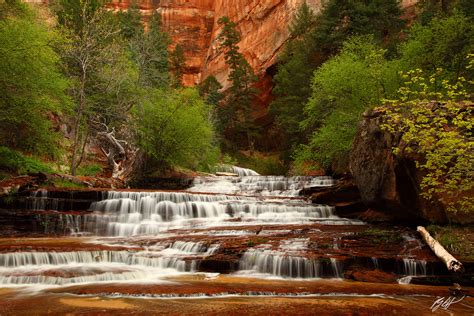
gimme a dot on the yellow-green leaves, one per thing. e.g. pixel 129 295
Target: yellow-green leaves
pixel 434 117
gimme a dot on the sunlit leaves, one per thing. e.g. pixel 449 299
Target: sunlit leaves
pixel 434 118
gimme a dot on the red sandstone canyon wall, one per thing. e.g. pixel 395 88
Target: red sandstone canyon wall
pixel 189 22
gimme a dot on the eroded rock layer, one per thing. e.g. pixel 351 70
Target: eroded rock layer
pixel 193 24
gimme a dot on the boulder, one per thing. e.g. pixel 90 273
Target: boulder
pixel 390 183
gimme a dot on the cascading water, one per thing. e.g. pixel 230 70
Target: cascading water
pixel 127 214
pixel 411 268
pixel 235 170
pixel 228 201
pixel 289 260
pixel 259 185
pixel 62 268
pixel 151 213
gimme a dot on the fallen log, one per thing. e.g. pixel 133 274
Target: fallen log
pixel 451 263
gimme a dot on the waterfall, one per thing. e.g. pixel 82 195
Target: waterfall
pixel 414 267
pixel 259 185
pixel 287 265
pixel 279 264
pixel 244 200
pixel 151 213
pixel 38 200
pixel 241 172
pixel 375 262
pixel 411 268
pixel 144 258
pixel 61 268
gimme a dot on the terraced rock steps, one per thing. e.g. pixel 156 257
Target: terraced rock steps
pixel 247 226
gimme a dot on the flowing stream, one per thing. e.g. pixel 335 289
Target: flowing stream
pixel 238 227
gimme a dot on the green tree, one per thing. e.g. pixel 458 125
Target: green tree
pixel 236 114
pixel 344 87
pixel 209 90
pixel 177 65
pixel 292 81
pixel 131 24
pixel 313 40
pixel 443 8
pixel 93 40
pixel 32 88
pixel 174 129
pixel 434 119
pixel 442 43
pixel 341 19
pixel 150 52
pixel 149 49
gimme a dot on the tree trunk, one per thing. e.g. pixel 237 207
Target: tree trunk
pixel 451 263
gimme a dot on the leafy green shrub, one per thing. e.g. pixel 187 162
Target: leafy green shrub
pixel 174 129
pixel 443 43
pixel 18 163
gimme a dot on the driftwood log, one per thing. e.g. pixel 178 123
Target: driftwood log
pixel 451 263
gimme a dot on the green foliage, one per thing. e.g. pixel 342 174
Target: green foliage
pixel 315 39
pixel 265 164
pixel 209 90
pixel 177 65
pixel 32 89
pixel 235 116
pixel 76 15
pixel 341 19
pixel 442 43
pixel 149 49
pixel 63 183
pixel 91 170
pixel 329 145
pixel 150 52
pixel 343 88
pixel 174 129
pixel 131 22
pixel 456 240
pixel 435 122
pixel 92 46
pixel 295 70
pixel 379 236
pixel 228 160
pixel 16 162
pixel 442 8
pixel 116 88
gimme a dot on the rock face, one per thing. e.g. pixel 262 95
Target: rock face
pixel 190 24
pixel 193 24
pixel 390 183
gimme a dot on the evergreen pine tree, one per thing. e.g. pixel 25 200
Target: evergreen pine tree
pixel 177 65
pixel 236 114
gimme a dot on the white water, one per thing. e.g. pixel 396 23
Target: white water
pixel 280 264
pixel 248 199
pixel 260 200
pixel 289 260
pixel 101 266
pixel 411 268
pixel 241 172
pixel 259 185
